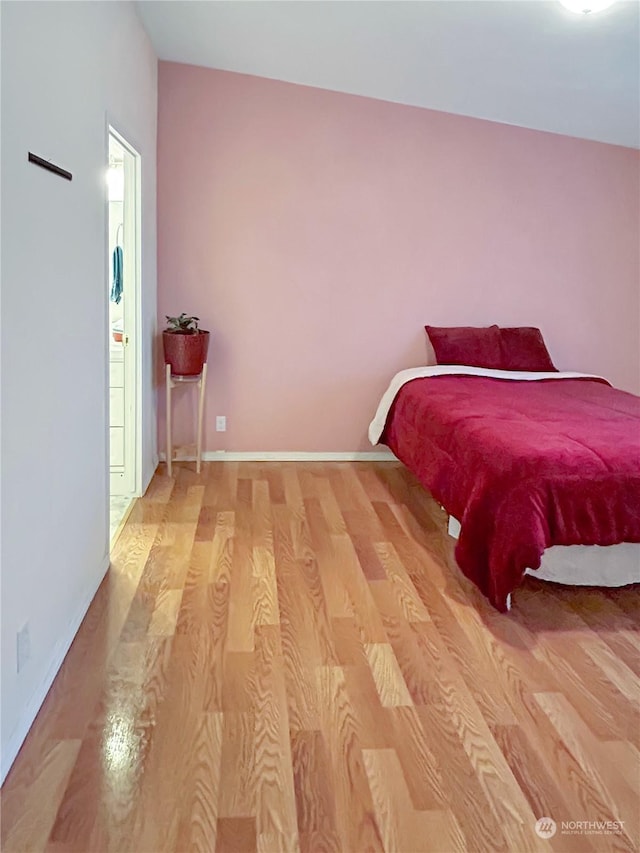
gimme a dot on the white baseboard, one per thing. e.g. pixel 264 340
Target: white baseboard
pixel 59 653
pixel 382 455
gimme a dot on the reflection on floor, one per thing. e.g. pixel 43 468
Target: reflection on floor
pixel 117 508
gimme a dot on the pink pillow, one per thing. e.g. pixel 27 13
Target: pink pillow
pixel 523 348
pixel 471 345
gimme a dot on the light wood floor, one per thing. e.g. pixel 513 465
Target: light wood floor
pixel 284 657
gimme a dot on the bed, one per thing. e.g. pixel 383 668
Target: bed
pixel 538 470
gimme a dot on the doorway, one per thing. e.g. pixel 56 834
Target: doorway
pixel 124 297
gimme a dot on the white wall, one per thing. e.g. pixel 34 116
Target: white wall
pixel 67 69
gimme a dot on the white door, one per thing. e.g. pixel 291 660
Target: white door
pixel 124 314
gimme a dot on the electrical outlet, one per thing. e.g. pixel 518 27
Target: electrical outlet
pixel 221 423
pixel 23 646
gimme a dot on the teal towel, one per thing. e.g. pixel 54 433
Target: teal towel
pixel 116 286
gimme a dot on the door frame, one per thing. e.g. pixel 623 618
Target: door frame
pixel 132 315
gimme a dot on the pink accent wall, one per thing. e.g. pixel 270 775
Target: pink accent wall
pixel 315 233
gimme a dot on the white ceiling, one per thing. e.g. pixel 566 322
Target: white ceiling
pixel 524 62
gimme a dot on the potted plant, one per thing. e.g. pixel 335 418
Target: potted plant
pixel 185 345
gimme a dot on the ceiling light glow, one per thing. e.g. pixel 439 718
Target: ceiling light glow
pixel 586 7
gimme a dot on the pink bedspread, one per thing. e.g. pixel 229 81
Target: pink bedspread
pixel 523 466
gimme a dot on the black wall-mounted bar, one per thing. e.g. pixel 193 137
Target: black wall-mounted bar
pixel 51 167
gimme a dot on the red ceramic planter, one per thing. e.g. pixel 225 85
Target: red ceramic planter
pixel 186 352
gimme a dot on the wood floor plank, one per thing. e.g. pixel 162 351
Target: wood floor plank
pixel 592 758
pixel 348 642
pixel 284 657
pixel 423 776
pixel 177 721
pixel 315 805
pixel 216 618
pixel 402 826
pixel 359 592
pixel 273 474
pixel 165 613
pixel 368 557
pixel 261 532
pixel 240 625
pixel 405 642
pixel 387 675
pixel 31 805
pixel 463 791
pixel 264 586
pixel 580 788
pixel 370 719
pixel 331 508
pixel 319 529
pixel 491 768
pixel 236 835
pixel 412 606
pixel 276 821
pixel 197 830
pixel 479 664
pixel 357 828
pixel 587 681
pixel 238 761
pixel 303 649
pixel 615 670
pixel 336 593
pixel 536 781
pixel 115 750
pixel 221 556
